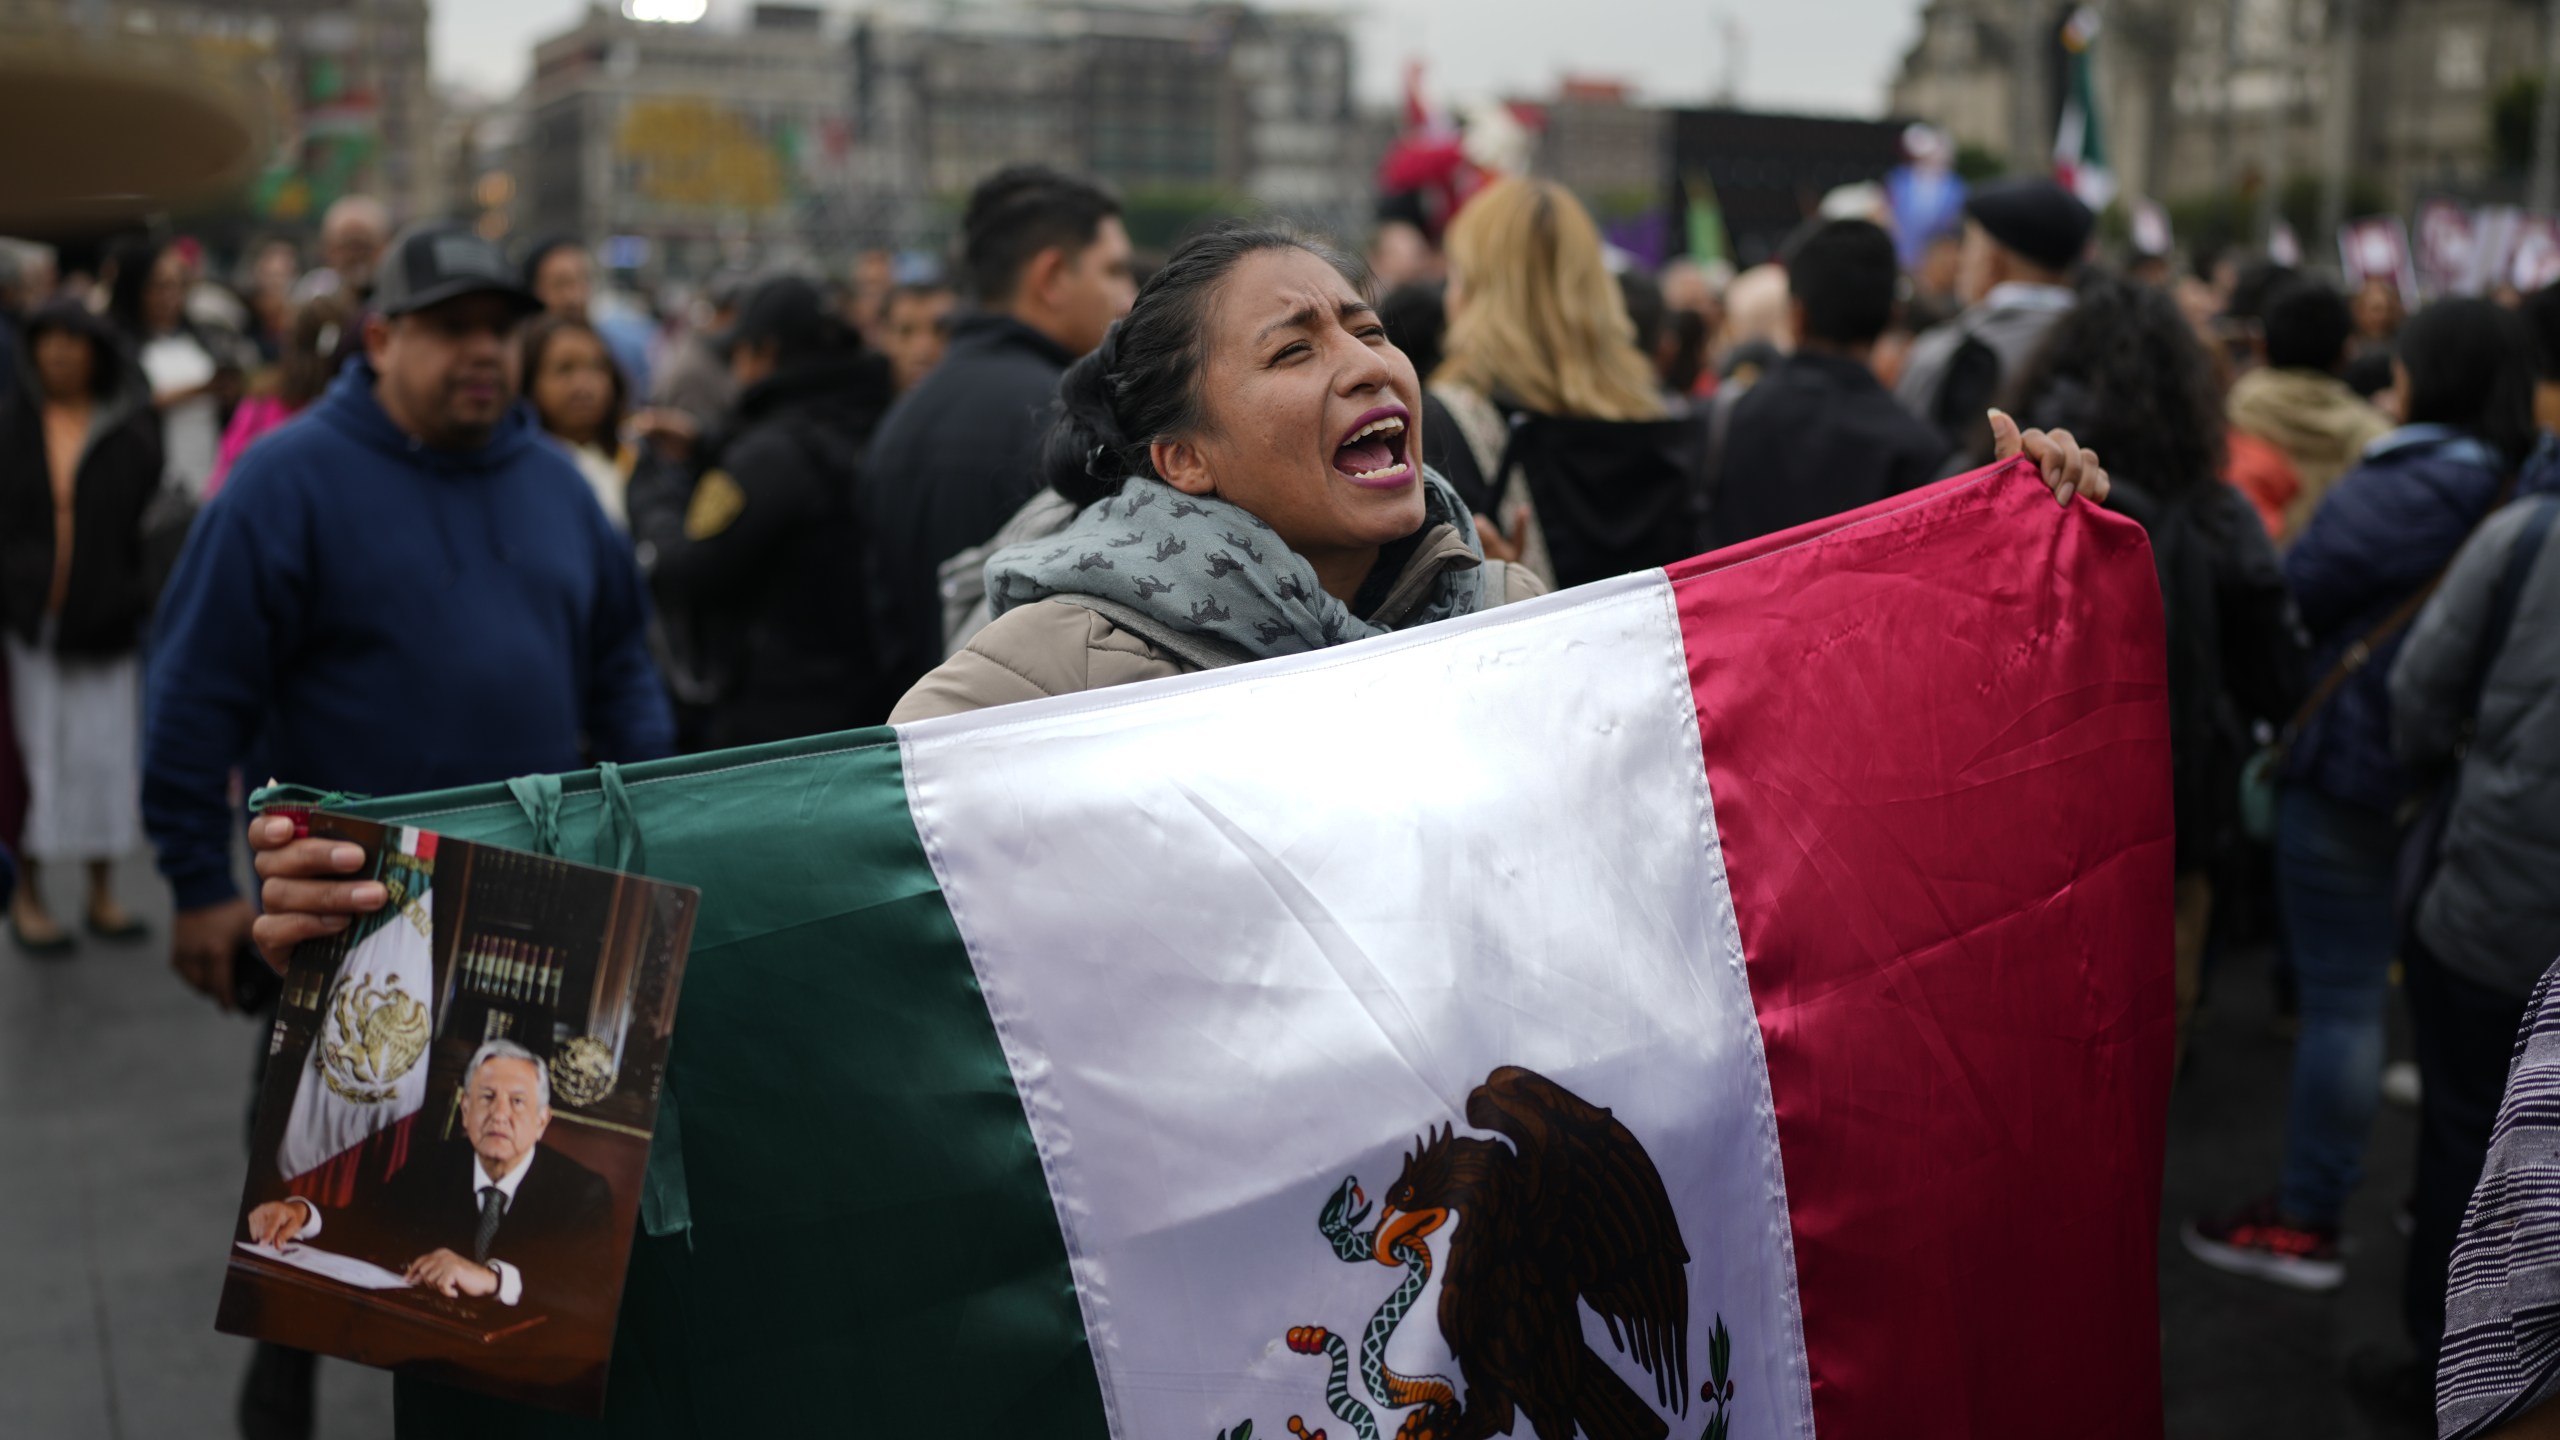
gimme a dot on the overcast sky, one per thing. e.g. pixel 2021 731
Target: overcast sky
pixel 1825 56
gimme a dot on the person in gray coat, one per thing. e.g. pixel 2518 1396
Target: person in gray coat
pixel 2482 665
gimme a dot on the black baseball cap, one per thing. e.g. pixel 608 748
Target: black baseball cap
pixel 431 263
pixel 786 309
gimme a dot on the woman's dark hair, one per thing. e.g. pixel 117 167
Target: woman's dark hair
pixel 110 368
pixel 1416 314
pixel 1144 381
pixel 2471 365
pixel 2126 375
pixel 2307 325
pixel 135 258
pixel 536 341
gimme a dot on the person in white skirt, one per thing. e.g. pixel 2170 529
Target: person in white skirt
pixel 80 459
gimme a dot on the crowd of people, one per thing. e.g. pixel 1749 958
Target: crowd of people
pixel 430 514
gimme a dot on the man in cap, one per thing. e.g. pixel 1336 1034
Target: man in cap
pixel 751 541
pixel 405 589
pixel 2022 239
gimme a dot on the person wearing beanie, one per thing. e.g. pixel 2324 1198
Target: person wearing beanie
pixel 2022 240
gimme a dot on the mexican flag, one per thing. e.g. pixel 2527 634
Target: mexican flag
pixel 367 1069
pixel 2079 143
pixel 1730 1001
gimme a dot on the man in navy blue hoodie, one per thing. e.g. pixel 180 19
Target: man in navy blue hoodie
pixel 402 590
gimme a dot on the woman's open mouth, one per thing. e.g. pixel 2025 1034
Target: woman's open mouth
pixel 1373 454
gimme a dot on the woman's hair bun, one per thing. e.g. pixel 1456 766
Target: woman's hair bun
pixel 1085 457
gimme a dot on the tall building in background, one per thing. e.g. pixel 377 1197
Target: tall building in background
pixel 2222 96
pixel 688 141
pixel 805 131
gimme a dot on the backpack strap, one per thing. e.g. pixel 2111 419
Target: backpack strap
pixel 1201 651
pixel 2359 654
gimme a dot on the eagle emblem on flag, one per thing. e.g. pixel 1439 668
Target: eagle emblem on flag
pixel 1570 1213
pixel 376 1031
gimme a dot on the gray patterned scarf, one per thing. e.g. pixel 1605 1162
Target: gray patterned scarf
pixel 1203 566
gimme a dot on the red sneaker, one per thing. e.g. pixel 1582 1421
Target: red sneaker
pixel 2257 1240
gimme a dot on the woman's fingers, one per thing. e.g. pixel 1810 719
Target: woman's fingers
pixel 297 859
pixel 1496 545
pixel 2067 468
pixel 277 935
pixel 2004 436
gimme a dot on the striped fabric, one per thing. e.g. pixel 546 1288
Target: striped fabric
pixel 2502 1309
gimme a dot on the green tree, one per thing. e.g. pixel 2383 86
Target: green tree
pixel 1980 162
pixel 2513 110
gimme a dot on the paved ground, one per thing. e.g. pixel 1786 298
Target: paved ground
pixel 121 1113
pixel 122 1110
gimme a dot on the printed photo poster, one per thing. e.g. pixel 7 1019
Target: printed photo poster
pixel 2377 246
pixel 454 1120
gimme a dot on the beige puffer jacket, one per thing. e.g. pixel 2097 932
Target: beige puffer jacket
pixel 1056 647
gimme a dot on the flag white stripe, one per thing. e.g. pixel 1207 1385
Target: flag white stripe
pixel 1248 933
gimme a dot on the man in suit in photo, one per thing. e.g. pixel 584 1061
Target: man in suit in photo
pixel 467 1220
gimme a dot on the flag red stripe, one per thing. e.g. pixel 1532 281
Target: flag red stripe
pixel 1937 740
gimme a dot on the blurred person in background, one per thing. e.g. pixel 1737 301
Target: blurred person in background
pixel 693 380
pixel 2022 240
pixel 322 333
pixel 1652 321
pixel 2359 571
pixel 146 301
pixel 1819 434
pixel 1416 315
pixel 752 543
pixel 352 233
pixel 872 279
pixel 79 464
pixel 267 283
pixel 579 398
pixel 1401 253
pixel 1047 264
pixel 1753 335
pixel 1544 415
pixel 1934 299
pixel 2541 311
pixel 2380 312
pixel 2475 707
pixel 561 275
pixel 2125 373
pixel 2295 403
pixel 915 330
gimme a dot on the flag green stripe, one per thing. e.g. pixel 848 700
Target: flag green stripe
pixel 873 1248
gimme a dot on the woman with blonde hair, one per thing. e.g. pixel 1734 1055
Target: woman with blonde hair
pixel 1545 414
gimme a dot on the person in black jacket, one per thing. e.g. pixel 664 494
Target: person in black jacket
pixel 79 463
pixel 2124 372
pixel 752 545
pixel 1047 262
pixel 1818 434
